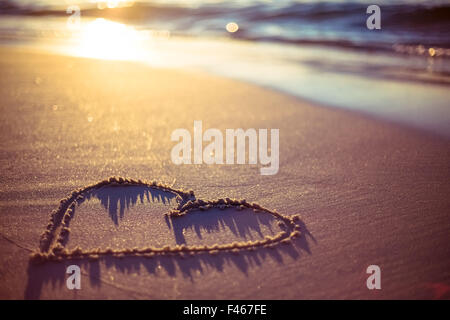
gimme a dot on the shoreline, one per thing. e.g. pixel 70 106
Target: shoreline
pixel 378 96
pixel 371 116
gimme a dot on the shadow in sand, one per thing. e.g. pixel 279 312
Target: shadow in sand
pixel 244 225
pixel 115 199
pixel 241 223
pixel 118 199
pixel 54 273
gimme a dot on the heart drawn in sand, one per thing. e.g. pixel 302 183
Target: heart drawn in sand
pixel 54 238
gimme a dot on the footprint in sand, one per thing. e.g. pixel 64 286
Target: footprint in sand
pixel 150 219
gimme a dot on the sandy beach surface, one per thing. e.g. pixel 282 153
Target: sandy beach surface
pixel 368 192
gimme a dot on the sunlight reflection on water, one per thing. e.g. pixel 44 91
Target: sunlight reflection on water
pixel 104 39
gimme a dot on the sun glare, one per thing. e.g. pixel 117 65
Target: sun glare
pixel 111 4
pixel 105 39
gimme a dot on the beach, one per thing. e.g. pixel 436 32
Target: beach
pixel 369 192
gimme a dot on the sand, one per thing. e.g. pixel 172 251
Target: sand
pixel 368 192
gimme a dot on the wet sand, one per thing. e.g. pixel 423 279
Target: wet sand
pixel 368 192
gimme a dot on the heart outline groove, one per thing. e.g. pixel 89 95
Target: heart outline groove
pixel 52 246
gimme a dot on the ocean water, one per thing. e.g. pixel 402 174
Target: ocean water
pixel 329 23
pixel 318 50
